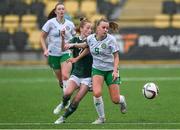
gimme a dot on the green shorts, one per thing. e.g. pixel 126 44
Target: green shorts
pixel 55 61
pixel 65 57
pixel 107 76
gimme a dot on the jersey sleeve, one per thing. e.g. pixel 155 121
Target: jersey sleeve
pixel 46 27
pixel 88 40
pixel 71 41
pixel 73 32
pixel 114 45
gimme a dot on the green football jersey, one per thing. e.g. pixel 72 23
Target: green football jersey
pixel 83 67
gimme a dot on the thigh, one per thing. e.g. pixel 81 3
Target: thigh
pixel 65 66
pixel 86 81
pixel 66 69
pixel 109 79
pixel 97 81
pixel 75 79
pixel 54 62
pixel 65 57
pixel 71 87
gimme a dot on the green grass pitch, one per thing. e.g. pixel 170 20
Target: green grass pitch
pixel 28 96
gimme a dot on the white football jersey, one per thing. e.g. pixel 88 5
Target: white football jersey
pixel 54 40
pixel 102 52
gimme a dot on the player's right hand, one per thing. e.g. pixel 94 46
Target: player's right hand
pixel 46 53
pixel 68 46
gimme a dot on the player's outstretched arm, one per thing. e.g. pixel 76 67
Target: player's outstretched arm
pixel 81 45
pixel 74 45
pixel 84 53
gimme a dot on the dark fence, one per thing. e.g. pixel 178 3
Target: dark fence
pixel 149 43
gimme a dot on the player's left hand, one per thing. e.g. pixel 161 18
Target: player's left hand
pixel 115 75
pixel 62 33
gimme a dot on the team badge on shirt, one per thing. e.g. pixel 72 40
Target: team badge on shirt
pixel 103 46
pixel 52 26
pixel 67 28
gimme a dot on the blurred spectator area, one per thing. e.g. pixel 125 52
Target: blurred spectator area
pixel 20 19
pixel 28 17
pixel 153 13
pixel 24 18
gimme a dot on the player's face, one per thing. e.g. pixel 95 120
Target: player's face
pixel 102 28
pixel 60 10
pixel 87 29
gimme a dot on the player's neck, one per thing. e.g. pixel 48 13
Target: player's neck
pixel 60 19
pixel 100 38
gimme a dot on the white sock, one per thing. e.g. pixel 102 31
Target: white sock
pixel 64 85
pixel 99 105
pixel 121 98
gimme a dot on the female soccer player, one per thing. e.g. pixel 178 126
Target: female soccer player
pixel 81 73
pixel 51 33
pixel 104 50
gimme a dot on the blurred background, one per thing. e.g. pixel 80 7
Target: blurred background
pixel 149 29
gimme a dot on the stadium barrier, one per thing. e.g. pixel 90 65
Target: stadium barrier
pixel 149 44
pixel 137 45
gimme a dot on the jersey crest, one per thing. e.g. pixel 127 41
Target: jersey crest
pixel 103 46
pixel 68 28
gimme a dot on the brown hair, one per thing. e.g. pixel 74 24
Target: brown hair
pixel 52 14
pixel 112 25
pixel 83 21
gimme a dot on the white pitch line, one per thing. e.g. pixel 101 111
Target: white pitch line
pixel 23 80
pixel 22 68
pixel 108 123
pixel 126 66
pixel 146 66
pixel 151 79
pixel 45 80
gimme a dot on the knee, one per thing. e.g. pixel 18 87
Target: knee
pixel 65 76
pixel 67 93
pixel 97 94
pixel 115 100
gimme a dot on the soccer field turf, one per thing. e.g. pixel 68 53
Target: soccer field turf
pixel 28 96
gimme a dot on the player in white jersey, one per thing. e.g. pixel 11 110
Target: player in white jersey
pixel 105 52
pixel 51 37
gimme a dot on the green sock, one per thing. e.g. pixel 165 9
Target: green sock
pixel 65 100
pixel 60 84
pixel 72 108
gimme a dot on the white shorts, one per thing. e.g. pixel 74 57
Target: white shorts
pixel 78 81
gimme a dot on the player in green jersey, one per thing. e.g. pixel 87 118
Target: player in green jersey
pixel 81 73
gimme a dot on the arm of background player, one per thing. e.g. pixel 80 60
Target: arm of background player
pixel 62 33
pixel 43 43
pixel 116 64
pixel 84 53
